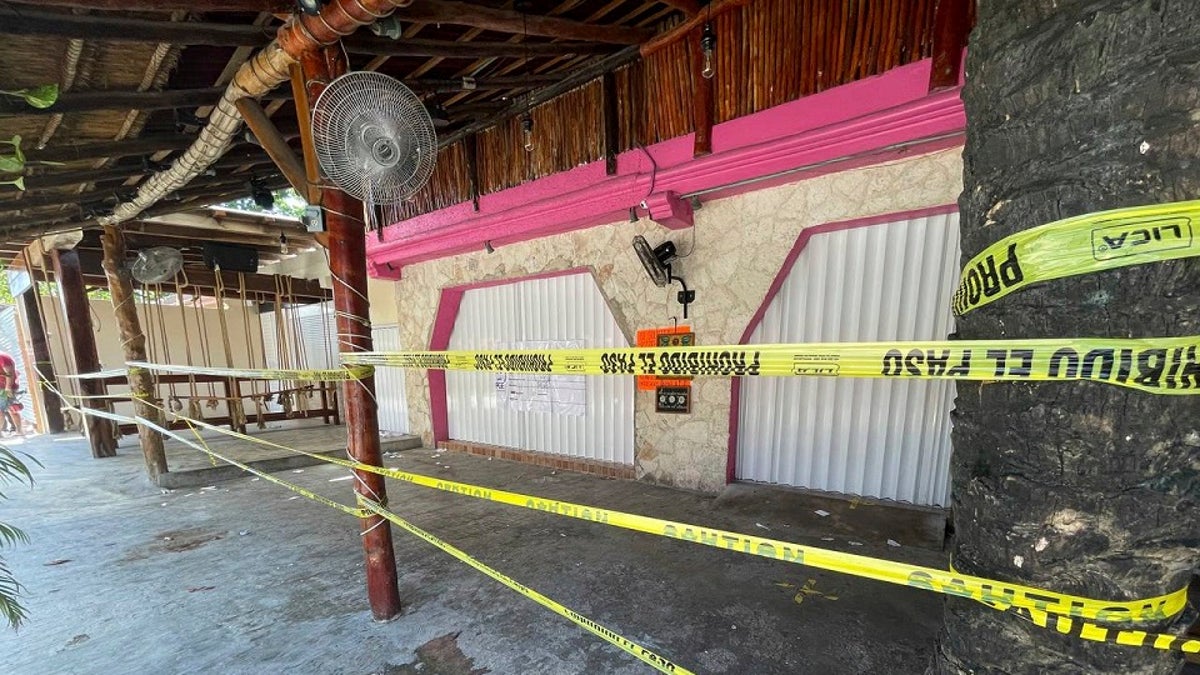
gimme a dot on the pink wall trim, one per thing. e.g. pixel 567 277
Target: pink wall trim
pixel 735 393
pixel 862 117
pixel 443 326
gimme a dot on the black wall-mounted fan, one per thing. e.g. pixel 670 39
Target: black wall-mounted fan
pixel 657 262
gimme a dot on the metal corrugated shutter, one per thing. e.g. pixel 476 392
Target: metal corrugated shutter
pixel 389 384
pixel 318 330
pixel 879 438
pixel 559 308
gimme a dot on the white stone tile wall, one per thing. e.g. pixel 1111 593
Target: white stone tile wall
pixel 740 245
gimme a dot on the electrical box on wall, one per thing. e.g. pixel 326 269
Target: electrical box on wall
pixel 672 395
pixel 674 400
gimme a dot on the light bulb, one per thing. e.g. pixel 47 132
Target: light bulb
pixel 708 43
pixel 527 131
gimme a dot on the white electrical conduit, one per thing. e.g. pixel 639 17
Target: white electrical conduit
pixel 266 70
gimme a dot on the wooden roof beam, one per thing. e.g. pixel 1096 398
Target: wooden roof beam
pixel 272 6
pixel 49 180
pixel 591 39
pixel 22 21
pixel 460 13
pixel 88 101
pixel 274 143
pixel 98 198
pixel 135 146
pixel 714 9
pixel 378 46
pixel 63 179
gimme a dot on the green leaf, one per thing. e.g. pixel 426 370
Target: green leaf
pixel 42 96
pixel 19 182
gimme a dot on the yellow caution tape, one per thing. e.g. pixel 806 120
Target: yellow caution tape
pixel 308 375
pixel 660 663
pixel 203 447
pixel 1081 245
pixel 1047 609
pixel 1155 365
pixel 1004 596
pixel 369 507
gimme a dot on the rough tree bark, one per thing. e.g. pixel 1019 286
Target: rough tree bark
pixel 1076 106
pixel 133 342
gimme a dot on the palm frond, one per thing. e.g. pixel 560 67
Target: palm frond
pixel 13 469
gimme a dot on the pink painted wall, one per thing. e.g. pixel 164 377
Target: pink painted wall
pixel 853 125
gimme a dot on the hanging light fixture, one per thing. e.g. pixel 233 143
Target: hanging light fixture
pixel 527 118
pixel 708 43
pixel 527 130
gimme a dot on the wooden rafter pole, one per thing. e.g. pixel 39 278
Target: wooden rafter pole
pixel 273 143
pixel 702 99
pixel 89 101
pixel 133 343
pixel 471 147
pixel 348 265
pixel 611 123
pixel 77 314
pixel 312 191
pixel 587 38
pixel 510 21
pixel 43 363
pixel 166 5
pixel 714 9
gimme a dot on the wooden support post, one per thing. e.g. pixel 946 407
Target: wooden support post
pixel 348 265
pixel 611 123
pixel 273 143
pixel 78 316
pixel 471 145
pixel 951 26
pixel 702 98
pixel 42 362
pixel 312 171
pixel 133 342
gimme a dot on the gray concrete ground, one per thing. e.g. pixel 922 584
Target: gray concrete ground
pixel 243 577
pixel 188 468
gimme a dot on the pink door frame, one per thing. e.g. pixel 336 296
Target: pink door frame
pixel 443 327
pixel 866 122
pixel 735 390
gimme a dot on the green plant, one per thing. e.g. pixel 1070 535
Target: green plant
pixel 38 97
pixel 12 470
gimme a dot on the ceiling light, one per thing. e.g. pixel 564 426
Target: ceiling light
pixel 708 43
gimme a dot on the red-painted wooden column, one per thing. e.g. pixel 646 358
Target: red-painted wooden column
pixel 951 27
pixel 348 264
pixel 78 316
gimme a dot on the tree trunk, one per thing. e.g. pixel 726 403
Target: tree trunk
pixel 1074 107
pixel 133 342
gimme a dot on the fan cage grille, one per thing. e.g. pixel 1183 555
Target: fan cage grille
pixel 373 137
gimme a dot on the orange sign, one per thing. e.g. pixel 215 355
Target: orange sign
pixel 675 336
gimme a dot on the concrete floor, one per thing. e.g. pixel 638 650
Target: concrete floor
pixel 188 467
pixel 242 577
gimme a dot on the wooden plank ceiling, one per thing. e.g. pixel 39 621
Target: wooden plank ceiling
pixel 137 77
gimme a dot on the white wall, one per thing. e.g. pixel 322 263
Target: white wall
pixel 737 247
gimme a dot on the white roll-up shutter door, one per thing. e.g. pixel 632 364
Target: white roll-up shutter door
pixel 888 439
pixel 389 383
pixel 564 310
